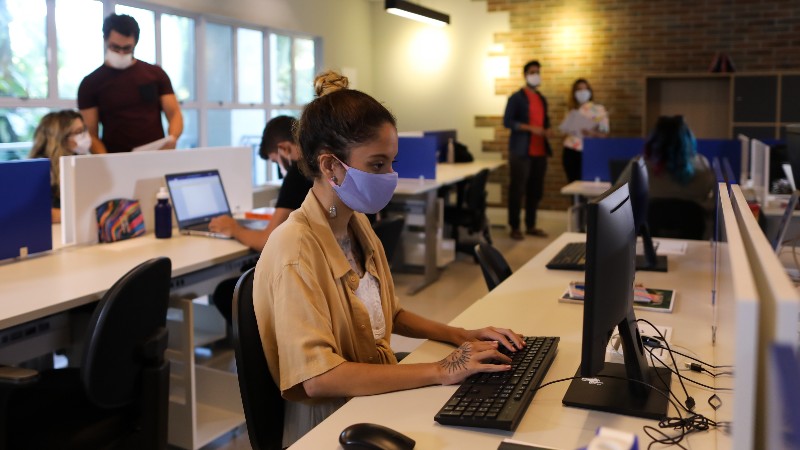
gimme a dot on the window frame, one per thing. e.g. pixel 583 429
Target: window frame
pixel 200 101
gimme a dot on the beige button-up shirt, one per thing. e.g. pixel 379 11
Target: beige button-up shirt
pixel 309 317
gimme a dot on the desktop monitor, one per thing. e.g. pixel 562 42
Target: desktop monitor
pixel 639 188
pixel 628 388
pixel 793 150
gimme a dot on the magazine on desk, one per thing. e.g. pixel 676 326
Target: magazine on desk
pixel 644 298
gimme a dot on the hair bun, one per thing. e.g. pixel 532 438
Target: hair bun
pixel 330 81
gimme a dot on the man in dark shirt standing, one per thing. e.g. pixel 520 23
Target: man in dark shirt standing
pixel 127 95
pixel 528 149
pixel 278 145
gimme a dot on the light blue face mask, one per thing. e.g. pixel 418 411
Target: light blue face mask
pixel 365 192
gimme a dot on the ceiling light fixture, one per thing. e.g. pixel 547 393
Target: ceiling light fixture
pixel 413 11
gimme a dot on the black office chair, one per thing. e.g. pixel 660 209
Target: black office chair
pixel 470 212
pixel 676 218
pixel 389 231
pixel 494 267
pixel 261 398
pixel 616 167
pixel 119 396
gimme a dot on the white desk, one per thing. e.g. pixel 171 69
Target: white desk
pixel 581 189
pixel 446 174
pixel 527 302
pixel 204 403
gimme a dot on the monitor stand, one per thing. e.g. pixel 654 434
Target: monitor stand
pixel 615 395
pixel 659 266
pixel 649 261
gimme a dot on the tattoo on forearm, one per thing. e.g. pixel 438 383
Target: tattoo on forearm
pixel 458 359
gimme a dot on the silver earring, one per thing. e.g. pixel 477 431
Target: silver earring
pixel 332 212
pixel 334 179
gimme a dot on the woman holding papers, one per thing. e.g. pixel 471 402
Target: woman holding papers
pixel 60 133
pixel 323 293
pixel 585 118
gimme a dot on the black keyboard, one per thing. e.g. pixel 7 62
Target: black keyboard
pixel 499 400
pixel 571 257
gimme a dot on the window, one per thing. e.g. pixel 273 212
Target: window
pixel 79 24
pixel 23 48
pixel 178 54
pixel 229 77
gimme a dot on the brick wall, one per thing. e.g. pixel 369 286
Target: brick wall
pixel 615 43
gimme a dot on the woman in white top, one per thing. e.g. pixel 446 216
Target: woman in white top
pixel 585 118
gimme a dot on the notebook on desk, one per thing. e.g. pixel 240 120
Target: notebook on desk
pixel 198 197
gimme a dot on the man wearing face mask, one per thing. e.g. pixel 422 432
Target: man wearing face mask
pixel 528 149
pixel 127 95
pixel 277 145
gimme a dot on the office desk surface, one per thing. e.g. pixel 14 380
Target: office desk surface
pixel 73 276
pixel 586 188
pixel 527 302
pixel 455 172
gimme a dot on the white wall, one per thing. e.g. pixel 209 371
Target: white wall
pixel 440 78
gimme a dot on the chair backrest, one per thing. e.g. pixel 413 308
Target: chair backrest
pixel 475 200
pixel 676 218
pixel 616 167
pixel 494 267
pixel 389 231
pixel 261 398
pixel 127 333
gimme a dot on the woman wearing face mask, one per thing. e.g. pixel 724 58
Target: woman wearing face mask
pixel 585 118
pixel 324 296
pixel 61 133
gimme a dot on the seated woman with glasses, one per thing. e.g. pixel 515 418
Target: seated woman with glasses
pixel 61 133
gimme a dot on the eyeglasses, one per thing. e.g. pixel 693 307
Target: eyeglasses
pixel 121 49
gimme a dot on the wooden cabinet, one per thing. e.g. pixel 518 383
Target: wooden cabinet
pixel 721 106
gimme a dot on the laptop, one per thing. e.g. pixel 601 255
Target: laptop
pixel 25 218
pixel 786 220
pixel 198 197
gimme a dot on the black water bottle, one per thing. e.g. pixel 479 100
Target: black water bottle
pixel 163 215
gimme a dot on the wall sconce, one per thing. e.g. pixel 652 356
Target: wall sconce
pixel 413 11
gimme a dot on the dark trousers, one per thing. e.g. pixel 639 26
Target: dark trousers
pixel 527 180
pixel 573 164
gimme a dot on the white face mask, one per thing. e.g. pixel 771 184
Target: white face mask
pixel 533 79
pixel 118 60
pixel 83 143
pixel 583 95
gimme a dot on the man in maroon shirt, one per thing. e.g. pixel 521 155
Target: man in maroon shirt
pixel 127 95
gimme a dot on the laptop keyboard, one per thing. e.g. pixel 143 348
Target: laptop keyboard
pixel 499 400
pixel 571 257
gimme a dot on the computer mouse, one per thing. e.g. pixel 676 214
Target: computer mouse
pixel 371 436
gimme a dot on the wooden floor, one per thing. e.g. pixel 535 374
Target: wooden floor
pixel 460 284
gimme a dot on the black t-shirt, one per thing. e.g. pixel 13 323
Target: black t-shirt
pixel 128 103
pixel 294 190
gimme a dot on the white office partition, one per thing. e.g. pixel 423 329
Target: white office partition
pixel 735 327
pixel 779 313
pixel 759 170
pixel 89 180
pixel 744 171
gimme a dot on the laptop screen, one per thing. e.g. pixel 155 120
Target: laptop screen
pixel 197 196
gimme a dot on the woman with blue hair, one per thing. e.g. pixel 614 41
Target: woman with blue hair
pixel 675 170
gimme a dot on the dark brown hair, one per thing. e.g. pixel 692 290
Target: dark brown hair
pixel 337 120
pixel 278 129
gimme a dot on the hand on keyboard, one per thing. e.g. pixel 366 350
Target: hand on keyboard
pixel 507 338
pixel 471 358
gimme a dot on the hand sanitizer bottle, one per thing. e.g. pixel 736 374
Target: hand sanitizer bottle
pixel 451 151
pixel 163 214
